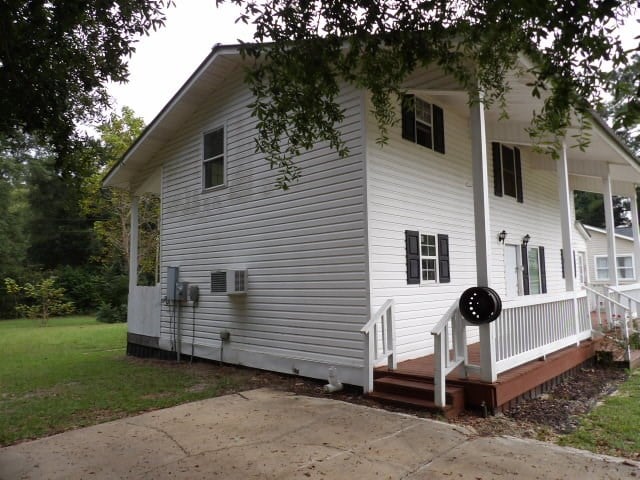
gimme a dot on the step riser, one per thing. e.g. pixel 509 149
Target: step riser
pixel 424 393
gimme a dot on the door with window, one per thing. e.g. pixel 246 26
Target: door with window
pixel 511 270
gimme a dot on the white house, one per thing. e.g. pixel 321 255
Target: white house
pixel 387 238
pixel 598 262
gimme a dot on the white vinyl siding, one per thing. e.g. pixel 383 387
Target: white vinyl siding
pixel 304 249
pixel 597 248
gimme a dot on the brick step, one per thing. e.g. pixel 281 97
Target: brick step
pixel 416 394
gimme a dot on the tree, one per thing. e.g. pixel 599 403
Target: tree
pixel 44 299
pixel 375 44
pixel 57 56
pixel 624 108
pixel 111 207
pixel 590 209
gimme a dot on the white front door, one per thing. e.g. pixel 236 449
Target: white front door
pixel 511 270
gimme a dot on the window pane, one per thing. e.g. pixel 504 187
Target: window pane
pixel 534 270
pixel 214 143
pixel 508 172
pixel 423 111
pixel 602 262
pixel 625 267
pixel 423 135
pixel 214 172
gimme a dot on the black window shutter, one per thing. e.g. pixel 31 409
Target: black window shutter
pixel 562 262
pixel 497 169
pixel 525 270
pixel 412 243
pixel 519 195
pixel 444 273
pixel 543 271
pixel 575 268
pixel 408 118
pixel 438 129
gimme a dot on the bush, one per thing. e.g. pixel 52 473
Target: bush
pixel 111 313
pixel 82 286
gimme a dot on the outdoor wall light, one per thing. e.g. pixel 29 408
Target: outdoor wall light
pixel 502 236
pixel 525 239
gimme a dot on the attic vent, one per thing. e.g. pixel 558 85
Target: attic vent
pixel 231 282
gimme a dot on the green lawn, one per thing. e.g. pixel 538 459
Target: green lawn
pixel 613 427
pixel 74 372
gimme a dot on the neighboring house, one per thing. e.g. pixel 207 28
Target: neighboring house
pixel 599 258
pixel 389 234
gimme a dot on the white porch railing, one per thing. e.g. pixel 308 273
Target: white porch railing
pixel 379 342
pixel 528 328
pixel 533 327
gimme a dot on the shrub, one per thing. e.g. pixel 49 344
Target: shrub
pixel 111 313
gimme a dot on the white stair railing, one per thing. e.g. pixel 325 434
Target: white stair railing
pixel 613 307
pixel 450 350
pixel 379 342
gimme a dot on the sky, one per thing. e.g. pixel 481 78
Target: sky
pixel 164 60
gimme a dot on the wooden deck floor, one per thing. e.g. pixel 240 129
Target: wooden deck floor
pixel 528 379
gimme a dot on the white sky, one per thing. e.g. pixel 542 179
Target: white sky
pixel 165 59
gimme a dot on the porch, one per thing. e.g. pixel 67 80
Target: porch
pixel 412 382
pixel 534 343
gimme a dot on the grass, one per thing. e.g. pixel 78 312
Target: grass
pixel 74 372
pixel 612 427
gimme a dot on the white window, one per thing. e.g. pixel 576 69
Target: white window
pixel 624 266
pixel 429 258
pixel 213 158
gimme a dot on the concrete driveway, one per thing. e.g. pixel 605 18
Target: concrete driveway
pixel 264 434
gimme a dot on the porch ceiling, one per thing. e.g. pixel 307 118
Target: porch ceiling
pixel 604 155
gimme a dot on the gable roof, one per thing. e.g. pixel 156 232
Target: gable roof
pixel 623 233
pixel 606 150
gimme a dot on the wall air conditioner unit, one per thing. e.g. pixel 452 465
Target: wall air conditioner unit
pixel 231 282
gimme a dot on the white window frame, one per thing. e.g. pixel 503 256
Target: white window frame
pixel 427 106
pixel 502 175
pixel 427 258
pixel 618 268
pixel 222 155
pixel 529 250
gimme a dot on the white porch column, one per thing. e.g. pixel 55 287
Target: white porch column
pixel 482 234
pixel 633 198
pixel 133 245
pixel 565 219
pixel 611 230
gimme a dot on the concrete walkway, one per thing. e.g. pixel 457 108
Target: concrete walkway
pixel 265 434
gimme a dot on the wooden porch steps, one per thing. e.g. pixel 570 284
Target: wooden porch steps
pixel 416 393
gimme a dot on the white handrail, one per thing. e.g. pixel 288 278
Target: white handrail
pixel 382 320
pixel 450 328
pixel 626 309
pixel 629 298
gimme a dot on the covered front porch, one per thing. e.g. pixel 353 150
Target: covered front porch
pixel 534 325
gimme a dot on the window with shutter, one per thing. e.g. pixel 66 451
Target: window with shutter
pixel 423 123
pixel 427 258
pixel 507 171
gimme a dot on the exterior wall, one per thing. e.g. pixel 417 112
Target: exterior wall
pixel 410 187
pixel 597 246
pixel 304 249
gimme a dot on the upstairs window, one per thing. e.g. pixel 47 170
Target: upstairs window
pixel 423 123
pixel 213 158
pixel 507 171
